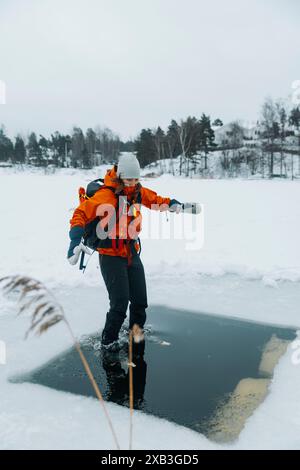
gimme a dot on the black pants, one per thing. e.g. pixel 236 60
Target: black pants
pixel 124 283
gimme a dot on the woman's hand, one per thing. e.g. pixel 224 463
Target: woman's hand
pixel 175 206
pixel 77 252
pixel 76 245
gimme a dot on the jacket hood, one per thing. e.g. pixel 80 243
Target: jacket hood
pixel 110 176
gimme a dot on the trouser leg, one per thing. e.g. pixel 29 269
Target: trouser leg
pixel 115 274
pixel 137 292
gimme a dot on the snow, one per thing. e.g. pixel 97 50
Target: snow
pixel 248 267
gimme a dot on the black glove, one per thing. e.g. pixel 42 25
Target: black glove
pixel 75 235
pixel 175 206
pixel 76 245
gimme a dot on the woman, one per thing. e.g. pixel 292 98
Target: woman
pixel 120 263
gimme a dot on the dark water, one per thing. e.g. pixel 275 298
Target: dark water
pixel 183 382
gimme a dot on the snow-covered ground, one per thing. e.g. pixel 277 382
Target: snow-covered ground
pixel 248 266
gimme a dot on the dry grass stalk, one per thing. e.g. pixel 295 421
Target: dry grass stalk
pixel 136 334
pixel 130 364
pixel 45 313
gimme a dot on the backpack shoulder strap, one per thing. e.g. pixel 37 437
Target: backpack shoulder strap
pixel 138 194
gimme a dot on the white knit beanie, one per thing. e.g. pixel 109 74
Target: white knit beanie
pixel 128 167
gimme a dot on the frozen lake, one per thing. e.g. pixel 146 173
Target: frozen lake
pixel 205 372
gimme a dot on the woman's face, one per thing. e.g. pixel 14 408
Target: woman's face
pixel 129 182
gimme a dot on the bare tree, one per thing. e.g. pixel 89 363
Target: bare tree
pixel 185 142
pixel 188 135
pixel 235 135
pixel 270 130
pixel 107 143
pixel 282 119
pixel 294 120
pixel 235 138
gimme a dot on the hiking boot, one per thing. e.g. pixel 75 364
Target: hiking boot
pixel 113 346
pixel 109 344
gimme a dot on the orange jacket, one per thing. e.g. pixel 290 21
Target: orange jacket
pixel 95 206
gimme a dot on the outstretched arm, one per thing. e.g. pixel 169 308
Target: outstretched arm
pixel 153 201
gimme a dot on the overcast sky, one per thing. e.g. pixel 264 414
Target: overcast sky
pixel 129 64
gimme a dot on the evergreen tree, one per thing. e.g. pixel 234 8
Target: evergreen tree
pixel 6 146
pixel 34 150
pixel 60 145
pixel 294 118
pixel 145 148
pixel 44 147
pixel 86 159
pixel 90 148
pixel 217 123
pixel 173 142
pixel 78 147
pixel 160 145
pixel 19 150
pixel 127 146
pixel 206 137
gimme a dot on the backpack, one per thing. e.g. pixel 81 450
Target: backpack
pixel 90 238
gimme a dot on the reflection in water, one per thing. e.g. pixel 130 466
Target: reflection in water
pixel 117 375
pixel 230 416
pixel 273 350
